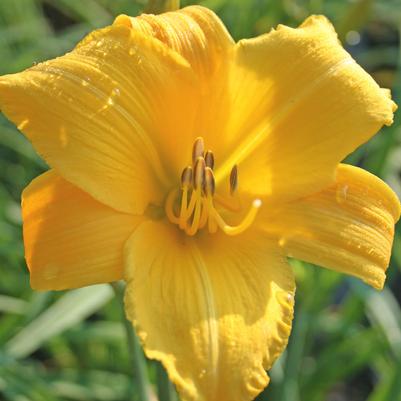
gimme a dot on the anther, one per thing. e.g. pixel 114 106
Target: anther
pixel 209 159
pixel 233 180
pixel 210 185
pixel 186 177
pixel 199 173
pixel 198 149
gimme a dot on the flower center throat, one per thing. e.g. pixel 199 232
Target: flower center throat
pixel 197 197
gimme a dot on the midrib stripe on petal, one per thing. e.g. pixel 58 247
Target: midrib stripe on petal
pixel 212 320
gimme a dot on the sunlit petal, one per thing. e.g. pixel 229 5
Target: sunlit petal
pixel 296 105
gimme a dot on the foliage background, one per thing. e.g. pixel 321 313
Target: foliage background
pixel 346 340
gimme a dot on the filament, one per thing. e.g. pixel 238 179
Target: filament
pixel 184 208
pixel 195 222
pixel 169 207
pixel 204 216
pixel 211 224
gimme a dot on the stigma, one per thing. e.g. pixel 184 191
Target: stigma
pixel 192 207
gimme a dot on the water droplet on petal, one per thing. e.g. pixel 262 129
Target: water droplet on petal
pixel 23 124
pixel 132 50
pixel 282 242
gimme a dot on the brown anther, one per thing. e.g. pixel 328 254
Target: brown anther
pixel 186 177
pixel 198 149
pixel 210 184
pixel 233 180
pixel 199 173
pixel 209 159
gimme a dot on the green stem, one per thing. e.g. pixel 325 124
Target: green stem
pixel 162 6
pixel 290 389
pixel 165 390
pixel 138 362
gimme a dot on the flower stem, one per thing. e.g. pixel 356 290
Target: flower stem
pixel 295 350
pixel 165 390
pixel 138 362
pixel 162 6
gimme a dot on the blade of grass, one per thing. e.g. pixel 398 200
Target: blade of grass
pixel 290 385
pixel 70 309
pixel 12 305
pixel 134 348
pixel 165 390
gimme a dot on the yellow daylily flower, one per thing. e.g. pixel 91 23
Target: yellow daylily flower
pixel 191 166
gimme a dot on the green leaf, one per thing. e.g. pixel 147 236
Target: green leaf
pixel 66 312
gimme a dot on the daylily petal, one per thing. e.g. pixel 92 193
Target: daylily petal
pixel 97 114
pixel 195 32
pixel 216 310
pixel 348 227
pixel 201 38
pixel 70 239
pixel 297 105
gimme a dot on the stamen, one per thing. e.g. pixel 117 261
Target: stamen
pixel 212 225
pixel 169 207
pixel 197 214
pixel 199 173
pixel 192 203
pixel 210 186
pixel 209 159
pixel 186 177
pixel 233 180
pixel 198 149
pixel 184 211
pixel 246 223
pixel 204 215
pixel 186 181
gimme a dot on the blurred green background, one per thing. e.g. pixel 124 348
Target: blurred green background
pixel 346 340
